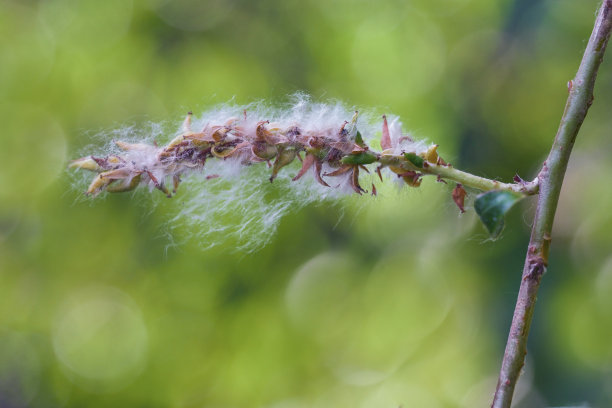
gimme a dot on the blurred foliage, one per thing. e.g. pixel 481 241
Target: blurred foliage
pixel 370 302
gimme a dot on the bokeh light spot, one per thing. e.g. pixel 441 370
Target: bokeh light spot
pixel 193 15
pixel 101 338
pixel 26 56
pixel 398 57
pixel 367 323
pixel 33 151
pixel 86 24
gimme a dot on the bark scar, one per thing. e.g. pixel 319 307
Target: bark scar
pixel 537 268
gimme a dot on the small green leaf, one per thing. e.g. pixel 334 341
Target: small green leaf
pixel 359 158
pixel 414 159
pixel 359 139
pixel 492 206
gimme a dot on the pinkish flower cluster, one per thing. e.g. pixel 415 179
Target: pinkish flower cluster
pixel 327 151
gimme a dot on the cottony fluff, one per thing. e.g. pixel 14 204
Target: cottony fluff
pixel 232 146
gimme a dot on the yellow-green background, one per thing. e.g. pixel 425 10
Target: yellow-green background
pixel 401 302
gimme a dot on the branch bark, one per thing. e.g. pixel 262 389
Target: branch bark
pixel 550 181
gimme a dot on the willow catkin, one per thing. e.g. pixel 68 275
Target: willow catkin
pixel 327 145
pixel 222 157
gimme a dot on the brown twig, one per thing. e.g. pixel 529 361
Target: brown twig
pixel 550 181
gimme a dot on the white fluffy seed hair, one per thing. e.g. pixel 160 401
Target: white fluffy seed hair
pixel 226 202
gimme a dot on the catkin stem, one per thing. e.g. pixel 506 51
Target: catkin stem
pixel 481 183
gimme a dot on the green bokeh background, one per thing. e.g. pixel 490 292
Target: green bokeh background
pixel 371 302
